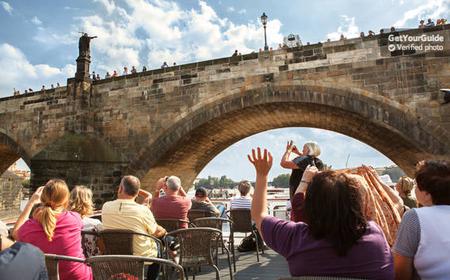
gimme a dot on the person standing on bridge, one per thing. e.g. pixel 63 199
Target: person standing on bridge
pixel 308 156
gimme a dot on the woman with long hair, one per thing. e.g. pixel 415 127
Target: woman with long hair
pixel 423 244
pixel 335 239
pixel 53 229
pixel 80 201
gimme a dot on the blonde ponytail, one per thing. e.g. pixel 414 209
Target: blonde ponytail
pixel 54 197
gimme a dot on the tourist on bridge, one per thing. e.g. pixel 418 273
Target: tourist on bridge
pixel 53 229
pixel 173 205
pixel 98 77
pixel 430 23
pixel 125 213
pixel 235 53
pixel 125 70
pixel 308 156
pixel 335 239
pixel 164 65
pixel 114 74
pixel 94 77
pixel 144 68
pixel 133 70
pixel 422 247
pixel 107 76
pixel 422 24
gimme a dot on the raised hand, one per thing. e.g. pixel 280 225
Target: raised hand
pixel 36 197
pixel 262 162
pixel 289 146
pixel 309 173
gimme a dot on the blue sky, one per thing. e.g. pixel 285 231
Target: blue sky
pixel 38 44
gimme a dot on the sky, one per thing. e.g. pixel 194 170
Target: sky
pixel 39 45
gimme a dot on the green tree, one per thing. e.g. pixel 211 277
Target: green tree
pixel 281 181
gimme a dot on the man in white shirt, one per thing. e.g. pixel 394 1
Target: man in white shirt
pixel 244 201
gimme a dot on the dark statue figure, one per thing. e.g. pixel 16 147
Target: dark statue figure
pixel 83 45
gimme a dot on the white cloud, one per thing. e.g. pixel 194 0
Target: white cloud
pixel 17 72
pixel 7 7
pixel 36 20
pixel 348 28
pixel 150 32
pixel 242 11
pixel 431 9
pixel 230 9
pixel 109 5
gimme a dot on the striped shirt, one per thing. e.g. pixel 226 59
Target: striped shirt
pixel 241 203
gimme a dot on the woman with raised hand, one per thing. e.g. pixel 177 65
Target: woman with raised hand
pixel 335 239
pixel 53 229
pixel 422 247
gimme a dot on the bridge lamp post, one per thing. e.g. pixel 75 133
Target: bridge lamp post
pixel 264 22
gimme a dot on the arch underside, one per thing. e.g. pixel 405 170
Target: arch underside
pixel 195 140
pixel 190 155
pixel 10 152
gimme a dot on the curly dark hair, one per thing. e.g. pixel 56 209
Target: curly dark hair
pixel 433 176
pixel 333 210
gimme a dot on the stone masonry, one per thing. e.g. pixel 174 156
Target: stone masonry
pixel 175 120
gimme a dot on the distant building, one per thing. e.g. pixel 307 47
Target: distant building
pixel 393 171
pixel 24 174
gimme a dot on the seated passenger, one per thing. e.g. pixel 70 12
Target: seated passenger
pixel 125 213
pixel 405 186
pixel 423 243
pixel 335 239
pixel 21 260
pixel 244 201
pixel 81 202
pixel 175 204
pixel 202 202
pixel 53 229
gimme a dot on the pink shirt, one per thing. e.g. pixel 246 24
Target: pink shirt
pixel 66 241
pixel 171 207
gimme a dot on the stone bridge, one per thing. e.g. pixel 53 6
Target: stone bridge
pixel 175 120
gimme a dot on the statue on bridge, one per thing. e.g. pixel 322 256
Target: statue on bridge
pixel 84 45
pixel 84 58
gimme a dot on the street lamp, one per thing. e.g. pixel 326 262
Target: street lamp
pixel 264 22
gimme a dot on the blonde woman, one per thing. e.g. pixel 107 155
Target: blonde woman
pixel 405 187
pixel 81 202
pixel 53 229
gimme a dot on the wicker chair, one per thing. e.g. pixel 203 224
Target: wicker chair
pixel 117 266
pixel 196 247
pixel 172 224
pixel 213 222
pixel 89 243
pixel 120 241
pixel 318 278
pixel 242 222
pixel 197 213
pixel 51 262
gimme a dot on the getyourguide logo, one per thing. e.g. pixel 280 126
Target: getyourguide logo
pixel 410 38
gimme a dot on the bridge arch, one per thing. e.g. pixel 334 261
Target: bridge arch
pixel 195 139
pixel 10 152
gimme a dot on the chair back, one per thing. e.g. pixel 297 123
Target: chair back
pixel 196 245
pixel 211 222
pixel 51 262
pixel 120 241
pixel 197 213
pixel 171 224
pixel 126 267
pixel 89 239
pixel 242 220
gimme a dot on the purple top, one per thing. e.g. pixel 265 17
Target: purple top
pixel 370 258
